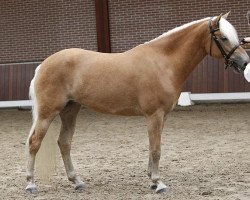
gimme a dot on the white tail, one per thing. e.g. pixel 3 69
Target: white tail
pixel 46 157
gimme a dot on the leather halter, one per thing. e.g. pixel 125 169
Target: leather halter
pixel 229 62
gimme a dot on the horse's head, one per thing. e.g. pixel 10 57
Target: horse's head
pixel 223 42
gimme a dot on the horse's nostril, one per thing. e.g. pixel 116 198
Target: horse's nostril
pixel 244 65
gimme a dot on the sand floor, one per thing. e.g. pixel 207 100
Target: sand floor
pixel 205 155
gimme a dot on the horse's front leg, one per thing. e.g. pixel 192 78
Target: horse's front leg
pixel 155 123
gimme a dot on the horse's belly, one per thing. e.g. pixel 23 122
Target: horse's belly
pixel 113 108
pixel 110 101
pixel 119 111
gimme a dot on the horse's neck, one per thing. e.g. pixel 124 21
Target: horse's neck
pixel 184 49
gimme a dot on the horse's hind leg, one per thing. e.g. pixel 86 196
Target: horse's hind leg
pixel 38 132
pixel 68 116
pixel 155 124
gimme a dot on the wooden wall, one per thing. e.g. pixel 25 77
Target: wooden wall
pixel 15 80
pixel 211 77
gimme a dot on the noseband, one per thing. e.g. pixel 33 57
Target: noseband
pixel 228 62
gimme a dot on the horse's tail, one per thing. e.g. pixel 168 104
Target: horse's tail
pixel 32 96
pixel 46 156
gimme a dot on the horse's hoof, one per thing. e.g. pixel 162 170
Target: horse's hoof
pixel 31 190
pixel 161 188
pixel 80 186
pixel 153 187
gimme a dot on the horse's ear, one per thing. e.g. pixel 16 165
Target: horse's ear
pixel 226 15
pixel 217 20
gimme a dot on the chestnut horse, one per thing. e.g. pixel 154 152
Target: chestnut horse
pixel 146 80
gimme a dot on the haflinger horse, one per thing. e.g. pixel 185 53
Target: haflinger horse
pixel 146 80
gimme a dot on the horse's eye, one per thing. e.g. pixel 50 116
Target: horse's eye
pixel 223 38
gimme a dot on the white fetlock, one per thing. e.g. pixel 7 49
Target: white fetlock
pixel 31 188
pixel 161 187
pixel 80 185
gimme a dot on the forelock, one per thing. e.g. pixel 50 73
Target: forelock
pixel 228 31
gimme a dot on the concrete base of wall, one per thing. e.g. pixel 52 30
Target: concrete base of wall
pixel 16 104
pixel 187 98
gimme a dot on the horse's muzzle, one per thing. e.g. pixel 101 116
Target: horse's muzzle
pixel 237 65
pixel 240 63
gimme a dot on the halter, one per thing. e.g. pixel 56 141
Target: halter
pixel 229 62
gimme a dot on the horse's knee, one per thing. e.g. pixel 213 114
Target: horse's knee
pixel 64 146
pixel 156 155
pixel 38 134
pixel 34 143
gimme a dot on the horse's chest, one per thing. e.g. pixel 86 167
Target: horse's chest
pixel 158 96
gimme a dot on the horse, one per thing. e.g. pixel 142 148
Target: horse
pixel 146 80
